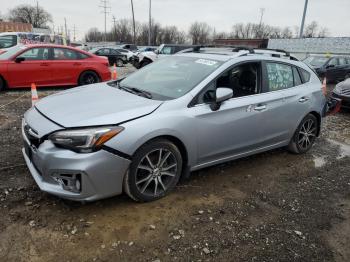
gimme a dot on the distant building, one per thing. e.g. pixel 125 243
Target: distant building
pixel 15 27
pixel 302 47
pixel 253 43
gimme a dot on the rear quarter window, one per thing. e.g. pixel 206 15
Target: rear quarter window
pixel 305 75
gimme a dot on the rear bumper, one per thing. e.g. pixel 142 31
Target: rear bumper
pixel 345 100
pixel 73 176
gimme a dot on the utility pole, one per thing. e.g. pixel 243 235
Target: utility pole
pixel 105 7
pixel 114 25
pixel 262 11
pixel 303 19
pixel 65 27
pixel 37 14
pixel 133 21
pixel 150 22
pixel 74 32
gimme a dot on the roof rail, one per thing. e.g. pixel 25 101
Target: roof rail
pixel 276 50
pixel 240 48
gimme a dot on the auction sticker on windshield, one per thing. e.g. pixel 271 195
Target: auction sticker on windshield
pixel 206 62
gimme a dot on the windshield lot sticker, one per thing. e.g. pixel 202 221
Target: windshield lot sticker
pixel 206 62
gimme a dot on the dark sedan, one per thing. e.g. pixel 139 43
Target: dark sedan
pixel 342 91
pixel 113 55
pixel 336 68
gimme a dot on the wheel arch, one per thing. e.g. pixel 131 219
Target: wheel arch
pixel 4 80
pixel 319 120
pixel 182 148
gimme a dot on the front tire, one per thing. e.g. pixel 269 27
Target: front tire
pixel 154 171
pixel 305 135
pixel 88 78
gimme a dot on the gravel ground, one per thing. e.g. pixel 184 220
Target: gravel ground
pixel 273 206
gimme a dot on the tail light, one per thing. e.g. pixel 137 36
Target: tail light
pixel 2 51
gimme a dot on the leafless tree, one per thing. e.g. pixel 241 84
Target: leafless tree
pixel 35 15
pixel 199 33
pixel 311 29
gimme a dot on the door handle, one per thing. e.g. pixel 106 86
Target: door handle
pixel 44 64
pixel 304 99
pixel 260 107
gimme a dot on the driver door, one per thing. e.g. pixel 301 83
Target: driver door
pixel 36 68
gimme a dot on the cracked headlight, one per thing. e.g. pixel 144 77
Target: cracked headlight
pixel 84 140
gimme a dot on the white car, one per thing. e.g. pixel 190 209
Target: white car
pixel 144 58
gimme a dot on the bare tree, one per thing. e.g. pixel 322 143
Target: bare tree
pixel 199 33
pixel 35 15
pixel 311 29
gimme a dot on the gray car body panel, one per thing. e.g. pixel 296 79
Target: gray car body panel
pixel 209 137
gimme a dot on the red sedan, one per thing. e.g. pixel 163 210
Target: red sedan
pixel 50 65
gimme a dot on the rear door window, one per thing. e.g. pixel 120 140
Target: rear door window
pixel 342 61
pixel 279 76
pixel 305 75
pixel 65 54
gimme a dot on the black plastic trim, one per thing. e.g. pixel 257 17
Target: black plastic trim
pixel 116 152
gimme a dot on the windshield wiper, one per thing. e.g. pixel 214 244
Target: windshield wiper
pixel 136 91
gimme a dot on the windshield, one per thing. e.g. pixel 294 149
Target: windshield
pixel 7 41
pixel 316 60
pixel 11 51
pixel 171 77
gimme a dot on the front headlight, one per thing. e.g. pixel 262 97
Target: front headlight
pixel 85 140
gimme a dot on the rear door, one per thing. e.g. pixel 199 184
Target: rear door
pixel 66 66
pixel 343 68
pixel 296 96
pixel 36 68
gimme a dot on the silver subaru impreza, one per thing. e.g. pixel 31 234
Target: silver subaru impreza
pixel 142 134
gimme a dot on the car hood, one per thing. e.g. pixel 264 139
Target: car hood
pixel 95 105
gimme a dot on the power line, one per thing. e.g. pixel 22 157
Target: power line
pixel 104 4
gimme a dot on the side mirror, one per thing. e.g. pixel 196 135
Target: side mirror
pixel 330 66
pixel 19 59
pixel 222 94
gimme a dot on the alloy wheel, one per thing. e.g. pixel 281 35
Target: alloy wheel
pixel 156 172
pixel 307 134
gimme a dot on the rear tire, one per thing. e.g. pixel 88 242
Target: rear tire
pixel 88 77
pixel 305 135
pixel 2 84
pixel 154 171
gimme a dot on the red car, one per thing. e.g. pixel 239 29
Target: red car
pixel 50 65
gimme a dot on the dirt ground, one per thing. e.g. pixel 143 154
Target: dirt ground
pixel 273 206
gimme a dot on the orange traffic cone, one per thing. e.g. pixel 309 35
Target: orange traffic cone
pixel 114 73
pixel 324 86
pixel 35 97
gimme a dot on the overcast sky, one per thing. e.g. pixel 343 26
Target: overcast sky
pixel 222 14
